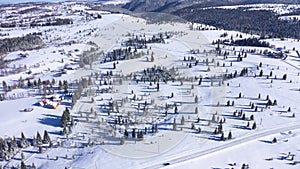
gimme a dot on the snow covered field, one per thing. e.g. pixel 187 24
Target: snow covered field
pixel 175 94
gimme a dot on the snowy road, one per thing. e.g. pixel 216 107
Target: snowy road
pixel 189 155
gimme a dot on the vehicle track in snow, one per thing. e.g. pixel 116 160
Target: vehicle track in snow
pixel 192 154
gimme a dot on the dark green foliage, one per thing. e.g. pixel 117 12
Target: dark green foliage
pixel 46 138
pixel 38 138
pixel 261 22
pixel 66 117
pixel 284 77
pixel 140 135
pixel 23 165
pixel 133 133
pixel 229 135
pixel 174 125
pixel 182 120
pixel 252 117
pixel 24 43
pixel 125 133
pixel 176 110
pixel 261 73
pixel 254 126
pixel 222 138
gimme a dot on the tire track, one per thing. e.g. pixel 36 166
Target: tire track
pixel 192 154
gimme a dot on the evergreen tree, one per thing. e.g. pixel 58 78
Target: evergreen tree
pixel 284 77
pixel 176 110
pixel 174 125
pixel 193 126
pixel 46 137
pixel 125 133
pixel 122 141
pixel 24 142
pixel 222 138
pixel 196 99
pixel 252 117
pixel 261 73
pixel 23 165
pixel 229 135
pixel 182 120
pixel 38 138
pixel 33 166
pixel 133 133
pixel 254 126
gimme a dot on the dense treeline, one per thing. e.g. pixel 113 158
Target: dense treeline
pixel 261 22
pixel 27 42
pixel 251 42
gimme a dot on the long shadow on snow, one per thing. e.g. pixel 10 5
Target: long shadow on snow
pixel 51 120
pixel 241 127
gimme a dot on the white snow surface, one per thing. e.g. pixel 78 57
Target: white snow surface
pixel 253 147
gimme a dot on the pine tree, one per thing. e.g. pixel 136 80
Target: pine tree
pixel 122 141
pixel 133 133
pixel 176 110
pixel 174 125
pixel 229 135
pixel 22 156
pixel 46 137
pixel 196 99
pixel 38 138
pixel 24 142
pixel 182 120
pixel 252 117
pixel 284 77
pixel 193 126
pixel 261 73
pixel 23 165
pixel 125 133
pixel 33 166
pixel 222 138
pixel 254 126
pixel 196 110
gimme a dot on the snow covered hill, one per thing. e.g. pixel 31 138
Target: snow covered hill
pixel 108 90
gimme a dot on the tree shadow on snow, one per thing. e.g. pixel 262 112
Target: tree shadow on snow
pixel 266 141
pixel 241 127
pixel 51 120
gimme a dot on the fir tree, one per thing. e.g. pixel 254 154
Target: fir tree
pixel 254 126
pixel 222 138
pixel 46 137
pixel 174 125
pixel 182 120
pixel 125 133
pixel 38 138
pixel 196 99
pixel 196 110
pixel 23 165
pixel 229 135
